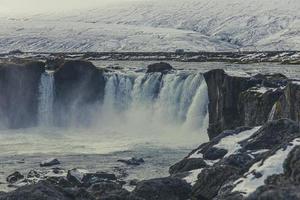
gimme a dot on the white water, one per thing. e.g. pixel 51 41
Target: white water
pixel 172 103
pixel 46 90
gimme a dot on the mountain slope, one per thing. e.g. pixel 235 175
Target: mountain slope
pixel 153 25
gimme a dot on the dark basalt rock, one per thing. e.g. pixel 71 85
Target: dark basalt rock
pixel 187 164
pixel 210 181
pixel 132 161
pixel 255 107
pixel 19 93
pixel 78 86
pixel 86 179
pixel 40 191
pixel 14 177
pixel 272 135
pixel 232 104
pixel 108 190
pixel 50 162
pixel 159 67
pixel 288 105
pixel 163 189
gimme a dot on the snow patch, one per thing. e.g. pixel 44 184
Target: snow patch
pixel 231 143
pixel 272 165
pixel 193 176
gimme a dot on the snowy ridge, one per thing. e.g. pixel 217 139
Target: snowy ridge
pixel 194 25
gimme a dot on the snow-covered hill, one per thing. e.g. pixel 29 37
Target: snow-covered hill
pixel 160 25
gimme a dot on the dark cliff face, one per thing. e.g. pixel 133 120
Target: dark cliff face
pixel 78 86
pixel 236 101
pixel 19 93
pixel 288 105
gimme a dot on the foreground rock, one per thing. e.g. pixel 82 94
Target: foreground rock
pixel 243 159
pixel 163 189
pixel 83 185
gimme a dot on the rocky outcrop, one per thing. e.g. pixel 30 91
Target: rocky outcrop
pixel 19 93
pixel 236 101
pixel 245 154
pixel 288 105
pixel 159 67
pixel 78 86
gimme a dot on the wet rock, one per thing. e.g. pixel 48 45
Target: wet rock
pixel 50 162
pixel 14 177
pixel 163 189
pixel 92 178
pixel 40 191
pixel 187 164
pixel 108 190
pixel 132 161
pixel 33 174
pixel 159 67
pixel 84 178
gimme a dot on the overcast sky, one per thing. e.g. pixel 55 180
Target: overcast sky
pixel 38 6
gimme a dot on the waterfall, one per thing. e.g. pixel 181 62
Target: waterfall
pixel 46 98
pixel 157 101
pixel 272 113
pixel 139 102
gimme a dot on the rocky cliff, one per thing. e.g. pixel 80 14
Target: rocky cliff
pixel 19 92
pixel 236 100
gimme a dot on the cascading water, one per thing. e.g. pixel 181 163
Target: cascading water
pixel 156 102
pixel 46 89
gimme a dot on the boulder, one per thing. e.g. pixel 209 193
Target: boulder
pixel 84 178
pixel 50 162
pixel 40 191
pixel 210 181
pixel 14 177
pixel 132 161
pixel 161 67
pixel 163 189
